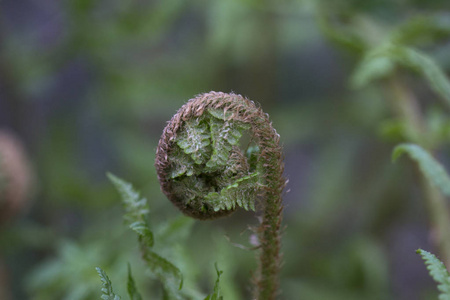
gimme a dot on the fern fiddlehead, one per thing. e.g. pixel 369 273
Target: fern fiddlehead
pixel 203 171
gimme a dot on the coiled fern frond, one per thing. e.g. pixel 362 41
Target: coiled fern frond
pixel 205 173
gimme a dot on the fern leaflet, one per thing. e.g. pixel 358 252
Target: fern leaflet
pixel 216 294
pixel 107 290
pixel 136 208
pixel 439 273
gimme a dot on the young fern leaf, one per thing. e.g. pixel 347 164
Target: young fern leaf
pixel 107 290
pixel 216 293
pixel 184 165
pixel 429 166
pixel 224 135
pixel 235 194
pixel 222 177
pixel 438 272
pixel 136 208
pixel 131 286
pixel 195 140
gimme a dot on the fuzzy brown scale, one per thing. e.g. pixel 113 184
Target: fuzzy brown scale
pixel 269 165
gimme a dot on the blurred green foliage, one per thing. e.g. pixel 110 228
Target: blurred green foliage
pixel 88 85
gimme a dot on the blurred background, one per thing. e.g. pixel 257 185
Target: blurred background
pixel 87 86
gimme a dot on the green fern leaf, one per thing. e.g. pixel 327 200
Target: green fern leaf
pixel 163 268
pixel 243 191
pixel 190 188
pixel 182 164
pixel 107 290
pixel 216 294
pixel 136 208
pixel 160 266
pixel 131 287
pixel 221 147
pixel 195 140
pixel 239 193
pixel 438 272
pixel 144 233
pixel 373 66
pixel 224 135
pixel 430 167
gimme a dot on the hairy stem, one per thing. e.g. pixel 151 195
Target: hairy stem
pixel 269 231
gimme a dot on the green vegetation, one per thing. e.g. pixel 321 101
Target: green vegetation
pixel 438 272
pixel 87 87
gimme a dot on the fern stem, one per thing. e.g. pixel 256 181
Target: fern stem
pixel 407 108
pixel 172 172
pixel 267 280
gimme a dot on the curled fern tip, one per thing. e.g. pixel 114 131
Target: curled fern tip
pixel 220 152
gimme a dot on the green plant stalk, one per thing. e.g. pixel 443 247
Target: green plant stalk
pixel 407 108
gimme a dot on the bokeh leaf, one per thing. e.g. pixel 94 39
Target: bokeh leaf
pixel 380 62
pixel 429 166
pixel 422 28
